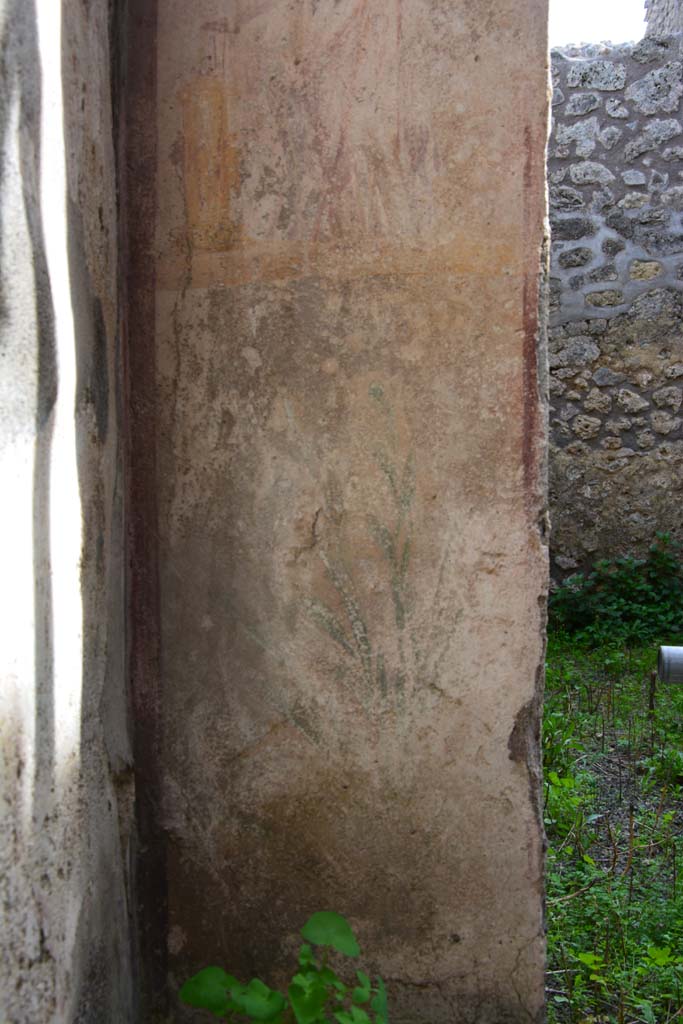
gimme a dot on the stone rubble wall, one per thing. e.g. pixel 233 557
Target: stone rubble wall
pixel 664 17
pixel 615 173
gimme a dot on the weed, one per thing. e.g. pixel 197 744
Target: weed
pixel 630 599
pixel 613 772
pixel 315 995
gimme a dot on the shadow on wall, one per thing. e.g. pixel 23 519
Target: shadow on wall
pixel 104 926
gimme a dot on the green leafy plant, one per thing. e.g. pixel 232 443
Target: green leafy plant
pixel 633 599
pixel 613 757
pixel 315 995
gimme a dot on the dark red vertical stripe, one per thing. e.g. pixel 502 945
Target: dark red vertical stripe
pixel 532 186
pixel 137 158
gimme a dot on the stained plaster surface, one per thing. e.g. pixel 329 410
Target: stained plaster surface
pixel 351 489
pixel 65 790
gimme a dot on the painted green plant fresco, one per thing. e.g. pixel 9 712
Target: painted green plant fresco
pixel 348 626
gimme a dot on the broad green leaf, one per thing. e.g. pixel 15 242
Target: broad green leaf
pixel 379 1003
pixel 359 1016
pixel 660 956
pixel 258 1001
pixel 210 990
pixel 307 1005
pixel 590 959
pixel 326 928
pixel 344 1017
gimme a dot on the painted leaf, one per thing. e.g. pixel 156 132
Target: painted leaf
pixel 327 928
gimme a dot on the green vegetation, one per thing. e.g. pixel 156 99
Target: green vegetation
pixel 613 760
pixel 315 995
pixel 633 599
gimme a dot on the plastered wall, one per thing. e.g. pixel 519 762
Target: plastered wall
pixel 340 379
pixel 302 376
pixel 65 778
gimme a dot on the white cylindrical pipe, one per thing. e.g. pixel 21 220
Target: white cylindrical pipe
pixel 670 664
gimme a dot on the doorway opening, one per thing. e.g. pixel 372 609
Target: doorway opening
pixel 612 745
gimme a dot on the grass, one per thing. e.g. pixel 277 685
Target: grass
pixel 613 763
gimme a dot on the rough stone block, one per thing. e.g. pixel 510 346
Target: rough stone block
pixel 583 134
pixel 609 297
pixel 630 401
pixel 578 351
pixel 567 229
pixel 663 422
pixel 613 246
pixel 582 103
pixel 633 178
pixel 633 201
pixel 605 377
pixel 590 173
pixel 653 135
pixel 597 401
pixel 650 50
pixel 660 90
pixel 671 396
pixel 646 439
pixel 608 272
pixel 610 136
pixel 619 424
pixel 644 270
pixel 603 75
pixel 619 222
pixel 673 197
pixel 615 108
pixel 575 257
pixel 586 427
pixel 563 197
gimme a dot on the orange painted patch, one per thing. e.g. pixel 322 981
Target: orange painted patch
pixel 211 166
